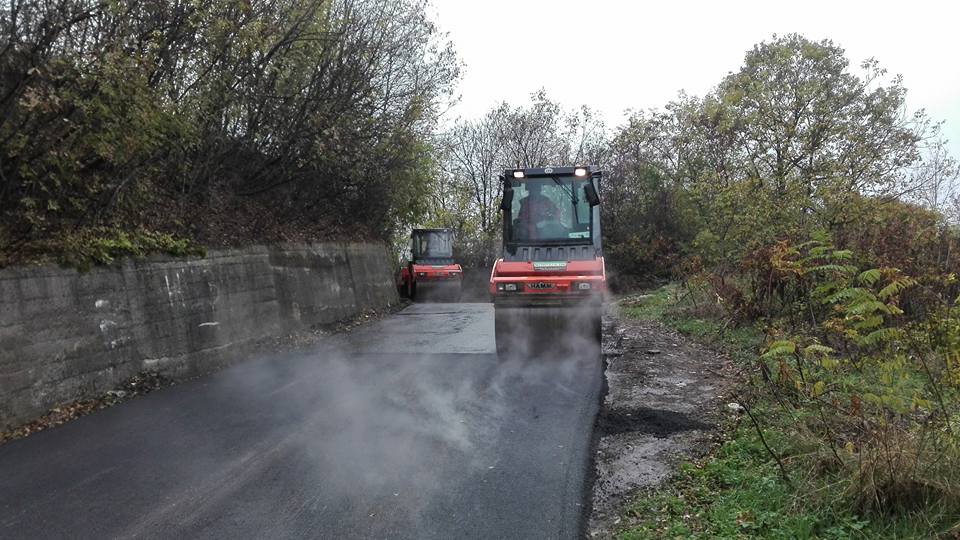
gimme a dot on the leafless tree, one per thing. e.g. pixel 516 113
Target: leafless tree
pixel 475 157
pixel 538 134
pixel 936 177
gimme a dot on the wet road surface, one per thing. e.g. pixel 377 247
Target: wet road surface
pixel 408 427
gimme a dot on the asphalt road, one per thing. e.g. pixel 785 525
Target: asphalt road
pixel 409 427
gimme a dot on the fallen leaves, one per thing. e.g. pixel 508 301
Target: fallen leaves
pixel 139 384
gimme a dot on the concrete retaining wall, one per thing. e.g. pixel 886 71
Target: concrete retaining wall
pixel 66 335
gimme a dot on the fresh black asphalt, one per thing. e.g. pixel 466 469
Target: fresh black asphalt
pixel 408 427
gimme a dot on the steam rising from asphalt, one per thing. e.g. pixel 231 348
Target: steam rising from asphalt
pixel 381 434
pixel 542 333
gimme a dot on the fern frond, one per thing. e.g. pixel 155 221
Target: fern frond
pixel 896 286
pixel 882 335
pixel 869 277
pixel 894 310
pixel 780 348
pixel 816 350
pixel 869 322
pixel 821 236
pixel 825 289
pixel 849 293
pixel 813 244
pixel 866 307
pixel 838 268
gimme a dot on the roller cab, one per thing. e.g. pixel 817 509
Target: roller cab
pixel 430 273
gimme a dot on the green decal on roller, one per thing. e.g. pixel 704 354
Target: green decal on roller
pixel 550 265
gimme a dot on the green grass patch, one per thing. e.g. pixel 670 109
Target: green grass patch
pixel 652 305
pixel 737 492
pixel 668 306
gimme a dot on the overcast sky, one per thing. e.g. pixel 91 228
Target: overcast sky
pixel 618 55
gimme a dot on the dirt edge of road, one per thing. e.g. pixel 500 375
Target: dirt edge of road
pixel 145 382
pixel 664 398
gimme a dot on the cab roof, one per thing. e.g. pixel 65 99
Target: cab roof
pixel 548 171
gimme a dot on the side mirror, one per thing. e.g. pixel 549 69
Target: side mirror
pixel 591 193
pixel 506 203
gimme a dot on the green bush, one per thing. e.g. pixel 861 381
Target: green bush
pixel 858 414
pixel 131 114
pixel 103 246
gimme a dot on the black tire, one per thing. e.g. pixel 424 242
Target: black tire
pixel 596 332
pixel 503 333
pixel 458 293
pixel 548 332
pixel 598 326
pixel 596 350
pixel 412 291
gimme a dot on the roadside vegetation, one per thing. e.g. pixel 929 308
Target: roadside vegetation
pixel 165 125
pixel 809 226
pixel 739 489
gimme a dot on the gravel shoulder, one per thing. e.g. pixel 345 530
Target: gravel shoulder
pixel 665 398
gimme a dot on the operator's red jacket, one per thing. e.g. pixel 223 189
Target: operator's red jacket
pixel 534 209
